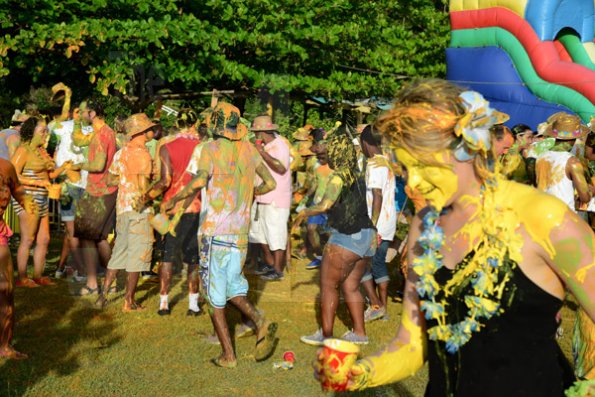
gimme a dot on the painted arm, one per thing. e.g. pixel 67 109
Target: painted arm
pixel 67 96
pixel 376 205
pixel 18 192
pixel 56 172
pixel 271 161
pixel 13 142
pixel 164 180
pixel 407 352
pixel 589 153
pixel 268 182
pixel 19 160
pixel 573 258
pixel 333 190
pixel 576 172
pixel 191 189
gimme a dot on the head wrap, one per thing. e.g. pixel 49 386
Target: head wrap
pixel 474 127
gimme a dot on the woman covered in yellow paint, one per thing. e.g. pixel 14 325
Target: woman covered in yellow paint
pixel 490 259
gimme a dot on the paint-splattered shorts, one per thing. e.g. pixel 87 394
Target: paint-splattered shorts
pixel 221 260
pixel 134 243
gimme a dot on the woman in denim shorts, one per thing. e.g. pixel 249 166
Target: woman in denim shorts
pixel 352 242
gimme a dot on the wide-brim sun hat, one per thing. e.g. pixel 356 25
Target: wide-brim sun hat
pixel 303 133
pixel 263 124
pixel 565 126
pixel 225 121
pixel 137 123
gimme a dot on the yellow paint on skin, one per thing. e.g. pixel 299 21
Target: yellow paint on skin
pixel 436 184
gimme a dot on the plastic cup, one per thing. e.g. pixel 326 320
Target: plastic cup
pixel 54 191
pixel 336 359
pixel 289 356
pixel 160 223
pixel 259 142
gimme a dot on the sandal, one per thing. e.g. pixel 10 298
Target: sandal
pixel 12 354
pixel 101 302
pixel 86 291
pixel 26 282
pixel 43 281
pixel 135 307
pixel 221 362
pixel 265 346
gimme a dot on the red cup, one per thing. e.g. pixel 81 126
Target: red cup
pixel 259 142
pixel 335 362
pixel 289 356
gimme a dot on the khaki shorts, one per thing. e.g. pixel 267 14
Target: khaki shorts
pixel 270 227
pixel 134 243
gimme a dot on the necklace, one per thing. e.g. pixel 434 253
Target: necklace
pixel 485 271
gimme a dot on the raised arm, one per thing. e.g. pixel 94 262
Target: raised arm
pixel 333 190
pixel 268 182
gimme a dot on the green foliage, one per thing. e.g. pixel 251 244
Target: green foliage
pixel 335 48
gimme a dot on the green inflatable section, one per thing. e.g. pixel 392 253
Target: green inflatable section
pixel 547 91
pixel 575 48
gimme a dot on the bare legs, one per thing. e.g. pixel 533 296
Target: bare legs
pixel 90 251
pixel 38 229
pixel 277 257
pixel 7 305
pixel 341 267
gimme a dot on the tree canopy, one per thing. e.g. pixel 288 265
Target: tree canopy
pixel 333 48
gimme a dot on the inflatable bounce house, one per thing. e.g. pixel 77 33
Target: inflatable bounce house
pixel 529 58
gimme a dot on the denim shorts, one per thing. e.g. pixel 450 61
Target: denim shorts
pixel 379 270
pixel 362 243
pixel 69 201
pixel 319 219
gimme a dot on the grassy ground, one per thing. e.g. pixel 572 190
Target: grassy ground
pixel 77 350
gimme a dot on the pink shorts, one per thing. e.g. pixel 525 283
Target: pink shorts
pixel 5 233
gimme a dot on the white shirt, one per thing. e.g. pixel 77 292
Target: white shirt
pixel 66 150
pixel 383 178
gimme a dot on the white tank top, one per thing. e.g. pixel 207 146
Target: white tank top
pixel 551 176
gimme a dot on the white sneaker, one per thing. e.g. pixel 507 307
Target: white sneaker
pixel 77 278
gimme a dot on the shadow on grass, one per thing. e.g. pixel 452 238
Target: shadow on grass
pixel 59 333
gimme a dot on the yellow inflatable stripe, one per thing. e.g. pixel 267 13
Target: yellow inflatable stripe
pixel 516 6
pixel 590 48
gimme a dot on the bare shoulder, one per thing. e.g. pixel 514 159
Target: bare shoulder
pixel 538 211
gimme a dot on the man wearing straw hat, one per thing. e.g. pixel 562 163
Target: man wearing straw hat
pixel 270 212
pixel 134 236
pixel 559 173
pixel 228 167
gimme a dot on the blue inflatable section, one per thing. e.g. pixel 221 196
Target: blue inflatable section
pixel 490 71
pixel 548 17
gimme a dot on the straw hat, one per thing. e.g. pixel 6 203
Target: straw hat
pixel 565 126
pixel 304 148
pixel 263 123
pixel 303 133
pixel 19 117
pixel 225 122
pixel 136 124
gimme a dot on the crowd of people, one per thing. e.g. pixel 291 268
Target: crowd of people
pixel 486 264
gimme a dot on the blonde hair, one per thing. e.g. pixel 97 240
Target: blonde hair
pixel 423 119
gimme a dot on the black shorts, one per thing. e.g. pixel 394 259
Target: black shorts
pixel 95 216
pixel 186 239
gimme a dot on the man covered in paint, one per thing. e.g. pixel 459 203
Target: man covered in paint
pixel 228 167
pixel 133 248
pixel 174 157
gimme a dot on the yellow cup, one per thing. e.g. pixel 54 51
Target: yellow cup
pixel 54 191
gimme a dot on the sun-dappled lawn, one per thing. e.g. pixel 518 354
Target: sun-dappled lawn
pixel 77 350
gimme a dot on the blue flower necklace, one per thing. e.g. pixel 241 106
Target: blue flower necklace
pixel 482 269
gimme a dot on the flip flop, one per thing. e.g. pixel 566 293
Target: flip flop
pixel 13 355
pixel 220 362
pixel 86 291
pixel 135 307
pixel 265 346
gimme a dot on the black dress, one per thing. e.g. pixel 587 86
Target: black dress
pixel 514 354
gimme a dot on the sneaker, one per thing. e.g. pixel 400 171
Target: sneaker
pixel 374 313
pixel 77 278
pixel 273 276
pixel 350 336
pixel 316 339
pixel 60 273
pixel 262 269
pixel 193 313
pixel 315 264
pixel 386 317
pixel 212 339
pixel 43 281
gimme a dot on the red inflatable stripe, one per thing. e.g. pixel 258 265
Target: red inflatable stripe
pixel 562 52
pixel 544 55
